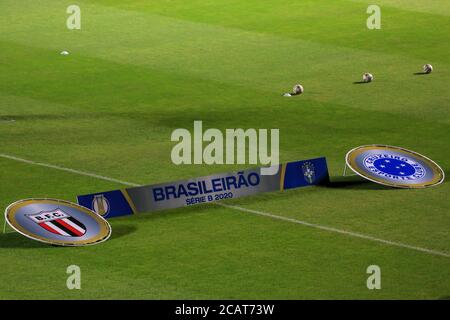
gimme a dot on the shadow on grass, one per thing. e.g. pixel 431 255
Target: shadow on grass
pixel 360 82
pixel 46 117
pixel 14 239
pixel 182 212
pixel 419 73
pixel 355 182
pixel 21 117
pixel 120 231
pixel 447 175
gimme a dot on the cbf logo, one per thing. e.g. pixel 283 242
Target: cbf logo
pixel 58 222
pixel 100 205
pixel 394 167
pixel 308 172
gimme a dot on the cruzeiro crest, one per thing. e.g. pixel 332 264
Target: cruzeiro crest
pixel 58 222
pixel 394 167
pixel 309 172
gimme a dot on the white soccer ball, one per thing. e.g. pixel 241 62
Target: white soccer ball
pixel 298 89
pixel 428 68
pixel 64 53
pixel 367 77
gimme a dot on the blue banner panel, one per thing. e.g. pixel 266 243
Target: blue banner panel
pixel 206 189
pixel 108 204
pixel 304 173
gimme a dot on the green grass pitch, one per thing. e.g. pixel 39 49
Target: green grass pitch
pixel 140 69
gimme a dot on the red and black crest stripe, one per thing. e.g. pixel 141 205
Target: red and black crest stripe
pixel 65 227
pixel 76 222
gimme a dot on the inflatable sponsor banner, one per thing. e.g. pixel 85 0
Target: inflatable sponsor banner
pixel 206 189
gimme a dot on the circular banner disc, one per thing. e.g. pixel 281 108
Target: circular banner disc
pixel 394 166
pixel 57 222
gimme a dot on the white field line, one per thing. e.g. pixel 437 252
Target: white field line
pixel 83 173
pixel 330 229
pixel 260 213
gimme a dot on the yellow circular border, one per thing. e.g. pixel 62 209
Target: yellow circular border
pixel 103 235
pixel 438 173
